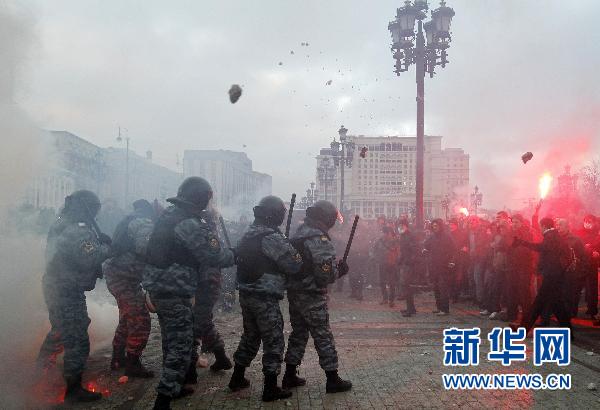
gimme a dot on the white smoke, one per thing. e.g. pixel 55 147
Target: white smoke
pixel 24 157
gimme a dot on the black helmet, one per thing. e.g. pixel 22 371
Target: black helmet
pixel 194 191
pixel 81 205
pixel 324 212
pixel 270 211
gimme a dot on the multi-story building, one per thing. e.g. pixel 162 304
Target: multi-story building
pixel 384 182
pixel 70 163
pixel 237 188
pixel 145 179
pixel 73 163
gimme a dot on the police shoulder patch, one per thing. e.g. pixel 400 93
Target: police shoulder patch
pixel 324 238
pixel 326 267
pixel 297 257
pixel 213 243
pixel 87 247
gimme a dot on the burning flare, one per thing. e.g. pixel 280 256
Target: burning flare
pixel 545 184
pixel 464 211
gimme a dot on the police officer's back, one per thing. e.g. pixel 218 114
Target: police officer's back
pixel 308 300
pixel 74 254
pixel 181 245
pixel 265 259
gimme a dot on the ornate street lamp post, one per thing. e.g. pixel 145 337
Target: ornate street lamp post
pixel 325 174
pixel 119 139
pixel 409 49
pixel 476 199
pixel 446 205
pixel 310 198
pixel 343 153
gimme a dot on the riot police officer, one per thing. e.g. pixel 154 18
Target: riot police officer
pixel 123 273
pixel 307 296
pixel 207 295
pixel 181 245
pixel 74 254
pixel 265 259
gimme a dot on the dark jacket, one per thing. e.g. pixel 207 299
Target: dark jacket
pixel 408 249
pixel 554 254
pixel 441 251
pixel 591 243
pixel 577 269
pixel 479 244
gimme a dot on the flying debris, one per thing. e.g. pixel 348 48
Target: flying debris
pixel 363 152
pixel 328 82
pixel 526 157
pixel 235 92
pixel 280 63
pixel 292 52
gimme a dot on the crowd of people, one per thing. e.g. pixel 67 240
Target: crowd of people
pixel 170 261
pixel 174 261
pixel 513 268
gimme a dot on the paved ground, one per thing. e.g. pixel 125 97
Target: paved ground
pixel 394 362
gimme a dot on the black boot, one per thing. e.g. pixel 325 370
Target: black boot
pixel 238 381
pixel 118 359
pixel 271 391
pixel 335 384
pixel 162 402
pixel 222 362
pixel 291 379
pixel 191 377
pixel 77 394
pixel 135 368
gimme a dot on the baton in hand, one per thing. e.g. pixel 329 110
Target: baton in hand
pixel 289 218
pixel 351 238
pixel 343 262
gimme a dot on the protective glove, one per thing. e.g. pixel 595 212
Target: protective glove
pixel 342 268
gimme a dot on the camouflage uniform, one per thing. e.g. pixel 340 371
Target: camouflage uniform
pixel 123 275
pixel 181 245
pixel 260 295
pixel 207 295
pixel 307 295
pixel 74 257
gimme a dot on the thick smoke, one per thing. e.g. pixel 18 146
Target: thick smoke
pixel 24 157
pixel 21 255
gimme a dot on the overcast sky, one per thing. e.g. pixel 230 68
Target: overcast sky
pixel 523 77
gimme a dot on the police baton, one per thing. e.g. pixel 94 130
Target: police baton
pixel 289 218
pixel 224 229
pixel 351 238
